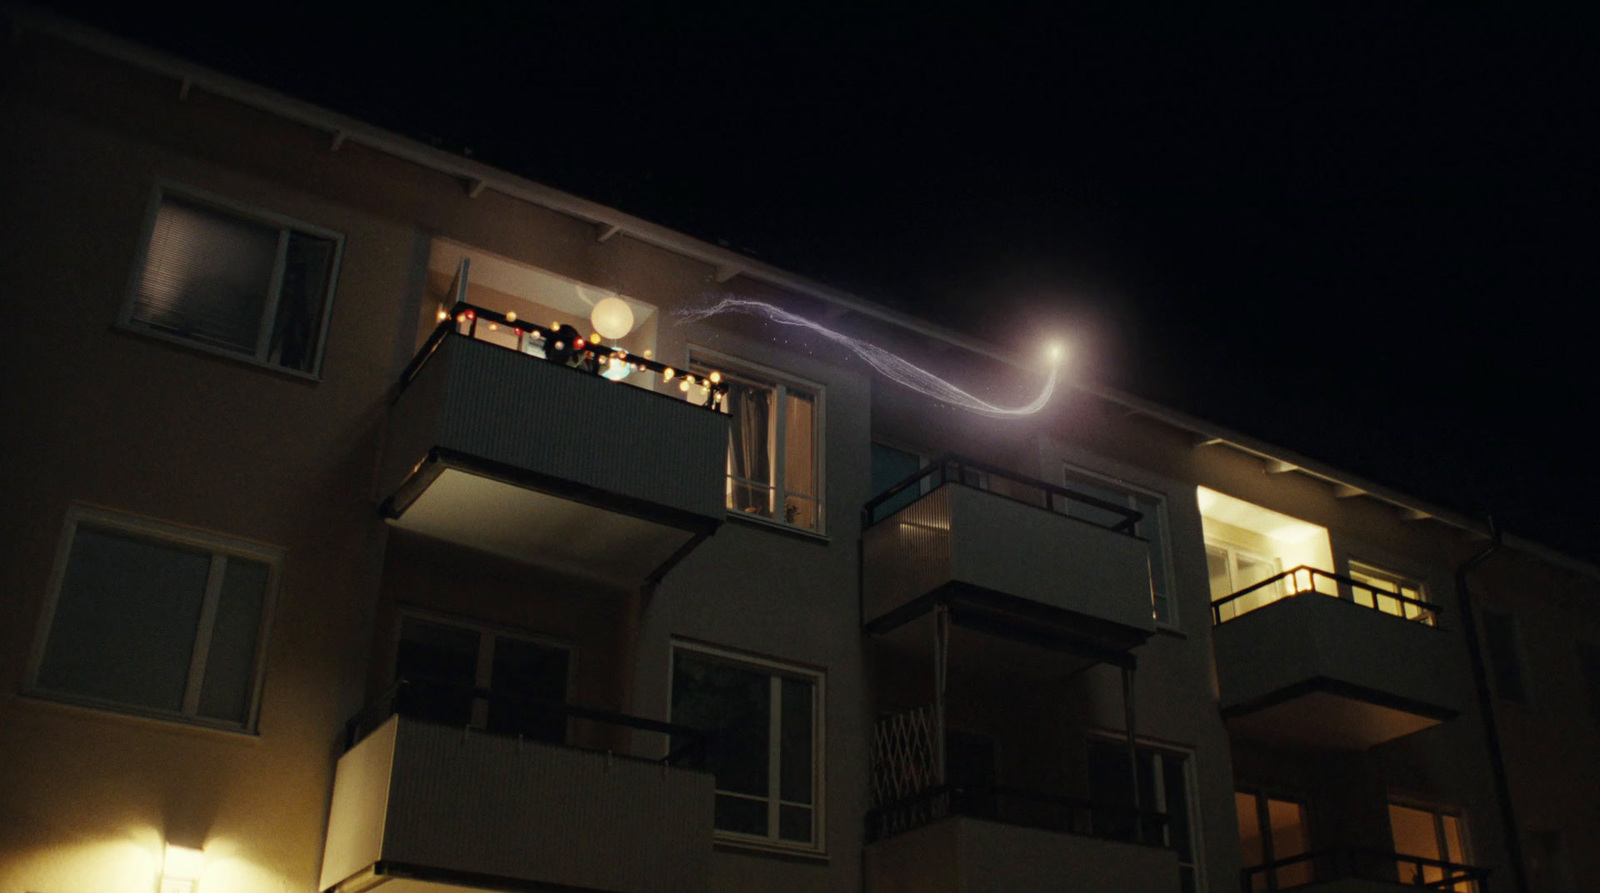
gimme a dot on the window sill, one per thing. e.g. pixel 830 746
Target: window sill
pixel 745 847
pixel 179 341
pixel 778 527
pixel 43 701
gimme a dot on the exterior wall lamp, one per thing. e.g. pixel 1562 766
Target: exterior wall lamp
pixel 180 869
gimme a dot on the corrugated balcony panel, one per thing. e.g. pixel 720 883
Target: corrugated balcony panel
pixel 514 455
pixel 975 545
pixel 470 809
pixel 907 555
pixel 966 855
pixel 1320 670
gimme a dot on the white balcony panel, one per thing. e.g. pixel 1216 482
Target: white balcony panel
pixel 466 810
pixel 965 855
pixel 962 537
pixel 1314 669
pixel 510 454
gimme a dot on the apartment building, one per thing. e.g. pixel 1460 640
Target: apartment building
pixel 382 521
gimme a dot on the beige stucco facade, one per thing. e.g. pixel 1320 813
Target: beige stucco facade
pixel 99 414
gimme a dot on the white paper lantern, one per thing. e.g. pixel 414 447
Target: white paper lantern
pixel 612 318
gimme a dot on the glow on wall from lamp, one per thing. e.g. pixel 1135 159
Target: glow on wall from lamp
pixel 893 367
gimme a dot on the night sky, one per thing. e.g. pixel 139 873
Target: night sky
pixel 1364 231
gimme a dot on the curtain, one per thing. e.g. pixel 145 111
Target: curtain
pixel 749 448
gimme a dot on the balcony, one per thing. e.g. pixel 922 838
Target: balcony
pixel 445 809
pixel 502 450
pixel 962 854
pixel 1362 870
pixel 926 830
pixel 1314 658
pixel 1008 556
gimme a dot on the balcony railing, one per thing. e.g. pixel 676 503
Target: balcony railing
pixel 515 716
pixel 567 348
pixel 994 479
pixel 1017 806
pixel 1360 863
pixel 1305 579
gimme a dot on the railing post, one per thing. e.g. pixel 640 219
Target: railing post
pixel 941 660
pixel 1133 752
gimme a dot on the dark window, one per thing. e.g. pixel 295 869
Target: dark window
pixel 889 467
pixel 1505 656
pixel 761 744
pixel 459 674
pixel 236 283
pixel 157 620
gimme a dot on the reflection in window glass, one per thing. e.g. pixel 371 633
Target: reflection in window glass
pixel 761 743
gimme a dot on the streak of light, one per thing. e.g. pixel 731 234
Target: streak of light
pixel 890 365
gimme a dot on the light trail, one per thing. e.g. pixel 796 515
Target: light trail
pixel 891 366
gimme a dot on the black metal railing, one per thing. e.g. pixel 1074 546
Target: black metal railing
pixel 566 348
pixel 1017 806
pixel 503 713
pixel 1362 863
pixel 981 475
pixel 1303 580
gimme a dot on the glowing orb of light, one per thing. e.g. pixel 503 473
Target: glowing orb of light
pixel 612 318
pixel 616 370
pixel 1057 351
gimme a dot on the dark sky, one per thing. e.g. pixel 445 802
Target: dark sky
pixel 1364 231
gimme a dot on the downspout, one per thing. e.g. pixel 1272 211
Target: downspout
pixel 1491 729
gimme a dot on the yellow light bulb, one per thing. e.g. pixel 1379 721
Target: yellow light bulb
pixel 716 377
pixel 683 385
pixel 443 314
pixel 649 353
pixel 511 316
pixel 594 337
pixel 667 373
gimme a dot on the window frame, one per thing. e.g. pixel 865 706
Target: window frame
pixel 488 631
pixel 1263 795
pixel 1164 519
pixel 1441 838
pixel 776 671
pixel 163 533
pixel 164 187
pixel 1191 782
pixel 754 374
pixel 1356 568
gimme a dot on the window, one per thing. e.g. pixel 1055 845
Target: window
pixel 237 282
pixel 1272 829
pixel 1384 581
pixel 1589 668
pixel 462 674
pixel 1152 527
pixel 1165 788
pixel 156 620
pixel 1500 640
pixel 1232 569
pixel 1427 834
pixel 765 743
pixel 890 466
pixel 774 447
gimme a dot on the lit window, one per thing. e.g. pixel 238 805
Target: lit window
pixel 764 744
pixel 1233 569
pixel 157 620
pixel 242 283
pixel 1151 526
pixel 1272 830
pixel 1381 581
pixel 1428 834
pixel 461 674
pixel 774 447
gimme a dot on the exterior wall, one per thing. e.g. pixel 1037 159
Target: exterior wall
pixel 1551 739
pixel 120 420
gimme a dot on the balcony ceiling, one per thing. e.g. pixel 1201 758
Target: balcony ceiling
pixel 539 528
pixel 1323 719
